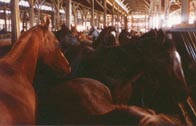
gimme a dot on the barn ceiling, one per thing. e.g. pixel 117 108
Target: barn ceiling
pixel 138 5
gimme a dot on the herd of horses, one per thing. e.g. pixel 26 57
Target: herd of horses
pixel 140 82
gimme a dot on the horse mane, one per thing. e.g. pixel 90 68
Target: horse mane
pixel 160 38
pixel 154 40
pixel 17 48
pixel 162 119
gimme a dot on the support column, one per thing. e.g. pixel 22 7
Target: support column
pixel 39 3
pixel 113 14
pixel 68 13
pixel 132 20
pixel 167 9
pixel 5 19
pixel 75 17
pixel 31 12
pixel 53 18
pixel 92 13
pixel 96 20
pixel 57 5
pixel 145 22
pixel 185 11
pixel 99 20
pixel 57 17
pixel 105 13
pixel 85 19
pixel 118 21
pixel 126 21
pixel 15 12
pixel 39 12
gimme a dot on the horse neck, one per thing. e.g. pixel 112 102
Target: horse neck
pixel 134 56
pixel 24 55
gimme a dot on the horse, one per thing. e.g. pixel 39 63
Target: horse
pixel 185 45
pixel 17 71
pixel 153 54
pixel 84 101
pixel 105 38
pixel 74 51
pixel 124 36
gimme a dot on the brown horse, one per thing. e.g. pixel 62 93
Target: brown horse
pixel 17 70
pixel 86 101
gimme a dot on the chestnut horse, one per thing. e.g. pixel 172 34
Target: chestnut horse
pixel 17 71
pixel 85 101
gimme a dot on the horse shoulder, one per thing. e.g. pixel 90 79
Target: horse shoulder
pixel 15 110
pixel 7 118
pixel 17 94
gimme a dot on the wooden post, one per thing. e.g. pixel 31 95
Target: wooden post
pixel 5 19
pixel 118 21
pixel 185 11
pixel 113 14
pixel 57 10
pixel 39 11
pixel 53 18
pixel 84 18
pixel 31 12
pixel 76 18
pixel 84 15
pixel 145 22
pixel 167 9
pixel 105 13
pixel 75 14
pixel 68 13
pixel 39 3
pixel 99 20
pixel 92 13
pixel 57 5
pixel 15 12
pixel 132 21
pixel 95 20
pixel 126 21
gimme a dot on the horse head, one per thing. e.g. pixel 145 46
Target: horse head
pixel 107 37
pixel 161 59
pixel 162 62
pixel 50 52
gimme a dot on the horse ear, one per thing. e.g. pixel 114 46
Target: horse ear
pixel 45 22
pixel 161 34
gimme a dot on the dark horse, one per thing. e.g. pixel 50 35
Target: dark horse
pixel 105 38
pixel 85 101
pixel 74 51
pixel 17 70
pixel 153 54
